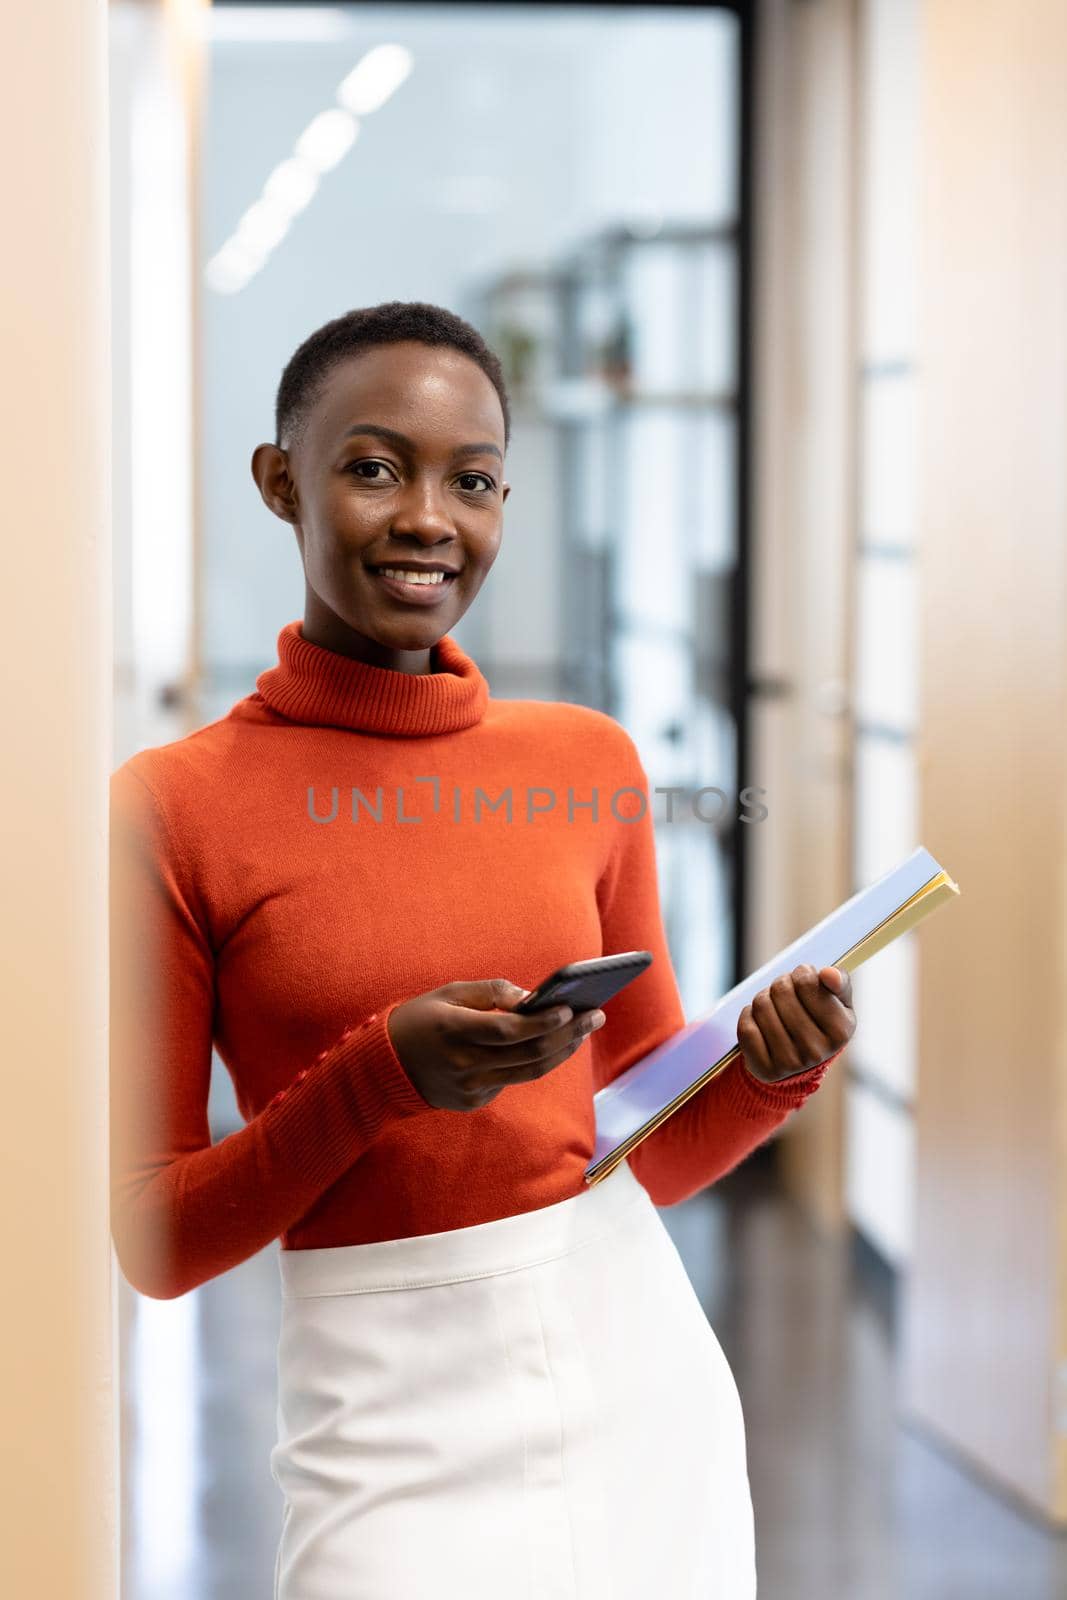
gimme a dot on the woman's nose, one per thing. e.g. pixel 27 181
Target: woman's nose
pixel 422 508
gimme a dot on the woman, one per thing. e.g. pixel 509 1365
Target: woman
pixel 492 1377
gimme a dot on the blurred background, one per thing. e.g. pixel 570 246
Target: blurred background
pixel 778 291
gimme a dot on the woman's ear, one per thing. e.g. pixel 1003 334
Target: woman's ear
pixel 270 468
pixel 506 492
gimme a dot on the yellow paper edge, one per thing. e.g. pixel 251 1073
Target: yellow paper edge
pixel 915 908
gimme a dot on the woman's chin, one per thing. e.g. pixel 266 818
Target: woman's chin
pixel 411 627
pixel 406 633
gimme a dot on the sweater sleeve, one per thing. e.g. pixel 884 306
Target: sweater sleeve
pixel 184 1209
pixel 733 1113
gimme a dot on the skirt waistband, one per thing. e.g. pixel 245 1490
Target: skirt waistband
pixel 506 1244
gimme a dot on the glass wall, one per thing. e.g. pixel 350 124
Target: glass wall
pixel 567 178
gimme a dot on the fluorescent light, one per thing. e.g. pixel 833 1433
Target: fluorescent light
pixel 262 227
pixel 291 185
pixel 372 80
pixel 327 138
pixel 223 277
pixel 231 268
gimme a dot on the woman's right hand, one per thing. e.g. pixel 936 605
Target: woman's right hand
pixel 460 1045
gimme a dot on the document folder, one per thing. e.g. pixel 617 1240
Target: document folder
pixel 635 1103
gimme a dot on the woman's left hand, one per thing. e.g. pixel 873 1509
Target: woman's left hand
pixel 797 1022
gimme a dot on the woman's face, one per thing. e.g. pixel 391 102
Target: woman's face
pixel 400 464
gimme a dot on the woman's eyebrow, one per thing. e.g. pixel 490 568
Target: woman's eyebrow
pixel 402 442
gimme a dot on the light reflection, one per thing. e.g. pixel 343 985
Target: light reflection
pixel 327 138
pixel 165 1360
pixel 325 141
pixel 371 82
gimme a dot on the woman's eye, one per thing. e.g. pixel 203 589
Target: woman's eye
pixel 483 477
pixel 379 468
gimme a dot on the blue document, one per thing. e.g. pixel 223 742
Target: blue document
pixel 649 1091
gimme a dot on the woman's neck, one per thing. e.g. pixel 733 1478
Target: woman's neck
pixel 325 628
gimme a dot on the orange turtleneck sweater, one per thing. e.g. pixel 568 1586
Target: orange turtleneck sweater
pixel 282 878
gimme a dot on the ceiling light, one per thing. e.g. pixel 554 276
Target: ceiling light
pixel 372 80
pixel 326 138
pixel 262 227
pixel 291 185
pixel 231 268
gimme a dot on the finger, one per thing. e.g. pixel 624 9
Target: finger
pixel 810 1043
pixel 525 1071
pixel 500 1031
pixel 482 994
pixel 831 1014
pixel 780 1047
pixel 838 981
pixel 529 1056
pixel 752 1044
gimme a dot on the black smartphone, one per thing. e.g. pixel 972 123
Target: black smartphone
pixel 583 985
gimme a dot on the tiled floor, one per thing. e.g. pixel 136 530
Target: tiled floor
pixel 849 1505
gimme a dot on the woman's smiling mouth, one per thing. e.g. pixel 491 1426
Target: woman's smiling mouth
pixel 424 586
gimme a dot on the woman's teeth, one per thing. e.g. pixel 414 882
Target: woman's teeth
pixel 411 577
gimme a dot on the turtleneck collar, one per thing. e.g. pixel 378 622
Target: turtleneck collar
pixel 314 685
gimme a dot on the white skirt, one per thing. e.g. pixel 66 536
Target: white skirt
pixel 533 1408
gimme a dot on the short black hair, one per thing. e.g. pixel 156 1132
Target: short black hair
pixel 362 329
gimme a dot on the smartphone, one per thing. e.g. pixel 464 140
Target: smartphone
pixel 583 985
